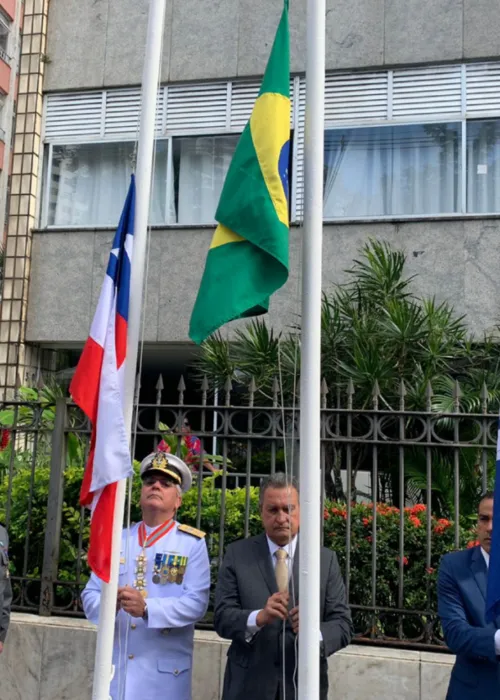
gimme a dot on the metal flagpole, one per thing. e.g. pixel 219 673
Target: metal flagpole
pixel 310 400
pixel 107 613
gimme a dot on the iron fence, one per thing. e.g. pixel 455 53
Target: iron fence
pixel 400 488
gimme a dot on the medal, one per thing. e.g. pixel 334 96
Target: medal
pixel 145 541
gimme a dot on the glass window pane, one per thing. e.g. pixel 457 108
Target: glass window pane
pixel 200 167
pixel 392 170
pixel 483 166
pixel 89 182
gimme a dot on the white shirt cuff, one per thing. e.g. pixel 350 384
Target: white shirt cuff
pixel 252 626
pixel 497 642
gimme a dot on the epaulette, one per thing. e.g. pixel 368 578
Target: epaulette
pixel 192 531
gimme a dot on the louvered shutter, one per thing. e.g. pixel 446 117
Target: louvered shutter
pixel 483 89
pixel 123 108
pixel 298 151
pixel 197 108
pixel 243 96
pixel 74 115
pixel 356 97
pixel 427 93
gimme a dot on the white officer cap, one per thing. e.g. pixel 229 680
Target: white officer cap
pixel 170 465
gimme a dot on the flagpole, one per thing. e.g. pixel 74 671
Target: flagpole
pixel 310 405
pixel 107 613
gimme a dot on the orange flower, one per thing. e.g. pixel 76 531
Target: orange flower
pixel 442 525
pixel 415 521
pixel 405 560
pixel 367 521
pixel 473 544
pixel 419 508
pixel 326 514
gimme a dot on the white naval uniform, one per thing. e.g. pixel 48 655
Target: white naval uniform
pixel 153 657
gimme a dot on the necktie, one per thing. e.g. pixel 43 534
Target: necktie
pixel 281 570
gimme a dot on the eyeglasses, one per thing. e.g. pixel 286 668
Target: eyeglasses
pixel 152 479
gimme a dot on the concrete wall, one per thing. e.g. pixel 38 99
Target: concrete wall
pixel 53 658
pixel 95 43
pixel 456 260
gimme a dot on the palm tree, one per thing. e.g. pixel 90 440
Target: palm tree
pixel 382 340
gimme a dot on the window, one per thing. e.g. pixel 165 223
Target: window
pixel 483 166
pixel 88 182
pixel 405 170
pixel 4 39
pixel 200 167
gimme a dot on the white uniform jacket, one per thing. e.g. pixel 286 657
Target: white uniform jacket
pixel 152 658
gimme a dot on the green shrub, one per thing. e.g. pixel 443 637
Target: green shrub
pixel 418 573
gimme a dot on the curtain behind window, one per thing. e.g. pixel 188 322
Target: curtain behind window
pixel 201 164
pixel 89 183
pixel 384 171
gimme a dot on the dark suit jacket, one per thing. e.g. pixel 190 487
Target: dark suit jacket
pixel 461 606
pixel 254 669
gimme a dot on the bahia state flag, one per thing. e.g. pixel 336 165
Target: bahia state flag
pixel 98 389
pixel 248 257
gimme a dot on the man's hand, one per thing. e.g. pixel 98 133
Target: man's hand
pixel 1 647
pixel 131 601
pixel 294 619
pixel 276 609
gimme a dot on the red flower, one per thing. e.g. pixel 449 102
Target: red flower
pixel 442 525
pixel 369 538
pixel 326 514
pixel 164 447
pixel 4 439
pixel 415 521
pixel 419 508
pixel 340 511
pixel 367 521
pixel 405 560
pixel 475 543
pixel 430 570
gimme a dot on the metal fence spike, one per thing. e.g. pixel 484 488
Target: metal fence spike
pixel 228 385
pixel 402 388
pixel 324 387
pixel 376 389
pixel 428 391
pixel 276 386
pixel 484 395
pixel 252 387
pixel 205 385
pixel 182 384
pixel 457 391
pixel 159 384
pixel 350 388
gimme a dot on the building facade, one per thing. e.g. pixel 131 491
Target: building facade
pixel 412 155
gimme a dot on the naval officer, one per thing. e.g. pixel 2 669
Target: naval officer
pixel 163 590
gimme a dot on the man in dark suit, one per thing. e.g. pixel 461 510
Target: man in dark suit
pixel 257 603
pixel 462 604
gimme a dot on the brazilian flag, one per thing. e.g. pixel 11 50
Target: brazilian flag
pixel 248 257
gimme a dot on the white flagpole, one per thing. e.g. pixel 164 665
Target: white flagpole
pixel 107 613
pixel 310 404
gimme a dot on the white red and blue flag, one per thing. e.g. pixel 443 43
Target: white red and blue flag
pixel 98 389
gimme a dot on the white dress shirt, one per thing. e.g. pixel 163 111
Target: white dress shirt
pixel 486 557
pixel 252 626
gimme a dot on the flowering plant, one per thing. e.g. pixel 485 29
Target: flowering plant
pixel 404 580
pixel 189 448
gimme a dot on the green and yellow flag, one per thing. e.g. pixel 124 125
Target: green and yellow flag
pixel 248 257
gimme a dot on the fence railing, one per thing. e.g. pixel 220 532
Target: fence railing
pixel 400 490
